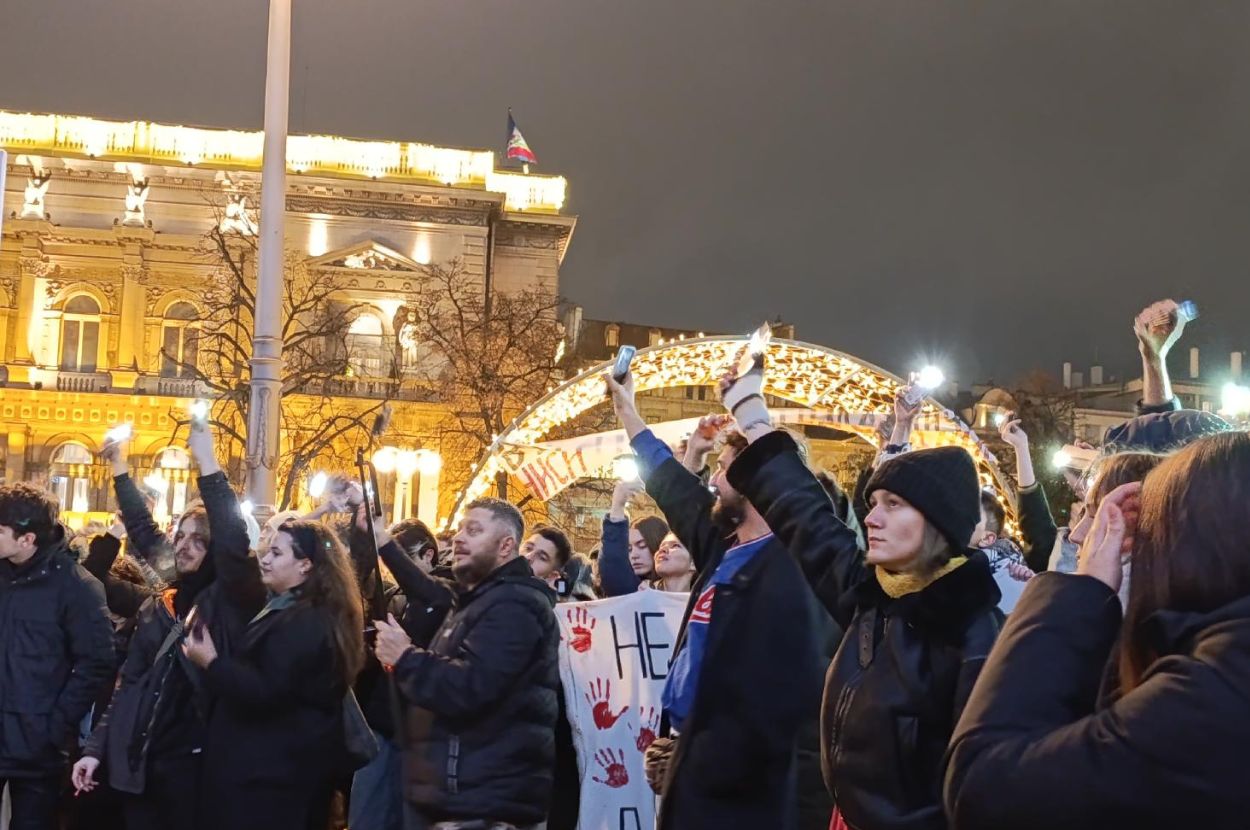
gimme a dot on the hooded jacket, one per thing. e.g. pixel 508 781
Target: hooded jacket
pixel 905 667
pixel 479 732
pixel 1037 748
pixel 56 656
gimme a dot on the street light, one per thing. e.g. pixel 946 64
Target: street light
pixel 1235 400
pixel 266 361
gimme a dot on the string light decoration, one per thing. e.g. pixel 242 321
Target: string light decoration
pixel 147 143
pixel 803 373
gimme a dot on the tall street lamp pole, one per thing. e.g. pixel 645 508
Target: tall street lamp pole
pixel 266 362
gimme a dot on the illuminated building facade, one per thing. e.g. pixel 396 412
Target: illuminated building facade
pixel 103 268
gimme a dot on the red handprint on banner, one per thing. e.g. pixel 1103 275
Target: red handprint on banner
pixel 614 766
pixel 650 726
pixel 583 629
pixel 601 706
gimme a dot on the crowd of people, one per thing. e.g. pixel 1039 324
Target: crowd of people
pixel 888 658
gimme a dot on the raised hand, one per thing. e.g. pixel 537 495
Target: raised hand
pixel 583 629
pixel 114 454
pixel 649 729
pixel 622 494
pixel 1013 435
pixel 1158 327
pixel 200 443
pixel 600 701
pixel 622 393
pixel 613 763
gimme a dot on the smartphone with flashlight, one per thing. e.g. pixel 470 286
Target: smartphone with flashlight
pixel 117 434
pixel 753 355
pixel 624 357
pixel 1074 457
pixel 199 413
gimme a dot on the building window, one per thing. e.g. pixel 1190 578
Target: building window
pixel 80 334
pixel 180 333
pixel 71 477
pixel 612 335
pixel 653 337
pixel 171 480
pixel 364 347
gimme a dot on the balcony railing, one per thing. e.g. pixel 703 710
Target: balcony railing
pixel 83 381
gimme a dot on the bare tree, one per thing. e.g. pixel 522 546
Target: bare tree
pixel 1047 412
pixel 490 354
pixel 317 424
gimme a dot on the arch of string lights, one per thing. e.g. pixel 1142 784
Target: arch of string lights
pixel 808 375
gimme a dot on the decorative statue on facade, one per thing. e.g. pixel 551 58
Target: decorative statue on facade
pixel 36 189
pixel 136 196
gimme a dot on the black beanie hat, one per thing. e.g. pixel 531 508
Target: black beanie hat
pixel 942 484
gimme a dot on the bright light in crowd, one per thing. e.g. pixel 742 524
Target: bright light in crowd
pixel 317 486
pixel 1236 399
pixel 119 433
pixel 1061 459
pixel 246 507
pixel 626 468
pixel 156 481
pixel 999 419
pixel 930 377
pixel 428 462
pixel 199 410
pixel 385 459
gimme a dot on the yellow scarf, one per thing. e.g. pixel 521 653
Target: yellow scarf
pixel 896 585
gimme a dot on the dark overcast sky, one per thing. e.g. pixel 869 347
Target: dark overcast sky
pixel 1007 181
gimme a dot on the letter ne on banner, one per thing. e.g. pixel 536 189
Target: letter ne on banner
pixel 614 657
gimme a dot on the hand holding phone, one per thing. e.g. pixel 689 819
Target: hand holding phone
pixel 624 357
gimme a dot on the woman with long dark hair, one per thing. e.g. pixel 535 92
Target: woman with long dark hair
pixel 276 733
pixel 1040 747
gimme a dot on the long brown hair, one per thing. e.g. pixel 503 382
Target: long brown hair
pixel 331 584
pixel 1192 550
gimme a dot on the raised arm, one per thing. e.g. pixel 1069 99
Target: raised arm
pixel 616 575
pixel 418 586
pixel 1037 524
pixel 680 494
pixel 145 535
pixel 123 598
pixel 1157 328
pixel 228 545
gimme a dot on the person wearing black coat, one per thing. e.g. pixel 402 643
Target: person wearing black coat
pixel 918 623
pixel 419 604
pixel 746 670
pixel 1089 717
pixel 150 742
pixel 56 653
pixel 276 735
pixel 480 705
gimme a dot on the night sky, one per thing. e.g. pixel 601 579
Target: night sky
pixel 1002 182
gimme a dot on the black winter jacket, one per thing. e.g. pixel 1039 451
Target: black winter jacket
pixel 906 666
pixel 275 735
pixel 759 681
pixel 56 655
pixel 481 741
pixel 160 707
pixel 1035 750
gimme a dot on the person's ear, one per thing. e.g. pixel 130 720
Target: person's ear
pixel 988 539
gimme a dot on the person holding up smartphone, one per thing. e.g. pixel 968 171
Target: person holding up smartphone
pixel 150 744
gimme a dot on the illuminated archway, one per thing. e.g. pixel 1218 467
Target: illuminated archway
pixel 811 376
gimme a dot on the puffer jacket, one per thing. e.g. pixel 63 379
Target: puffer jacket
pixel 56 656
pixel 905 667
pixel 481 707
pixel 1040 747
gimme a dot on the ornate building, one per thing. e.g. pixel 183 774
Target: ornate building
pixel 103 274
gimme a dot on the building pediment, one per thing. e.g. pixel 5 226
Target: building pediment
pixel 366 256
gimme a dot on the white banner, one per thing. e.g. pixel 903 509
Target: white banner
pixel 614 656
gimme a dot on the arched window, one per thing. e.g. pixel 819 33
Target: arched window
pixel 180 333
pixel 71 477
pixel 364 346
pixel 611 335
pixel 80 334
